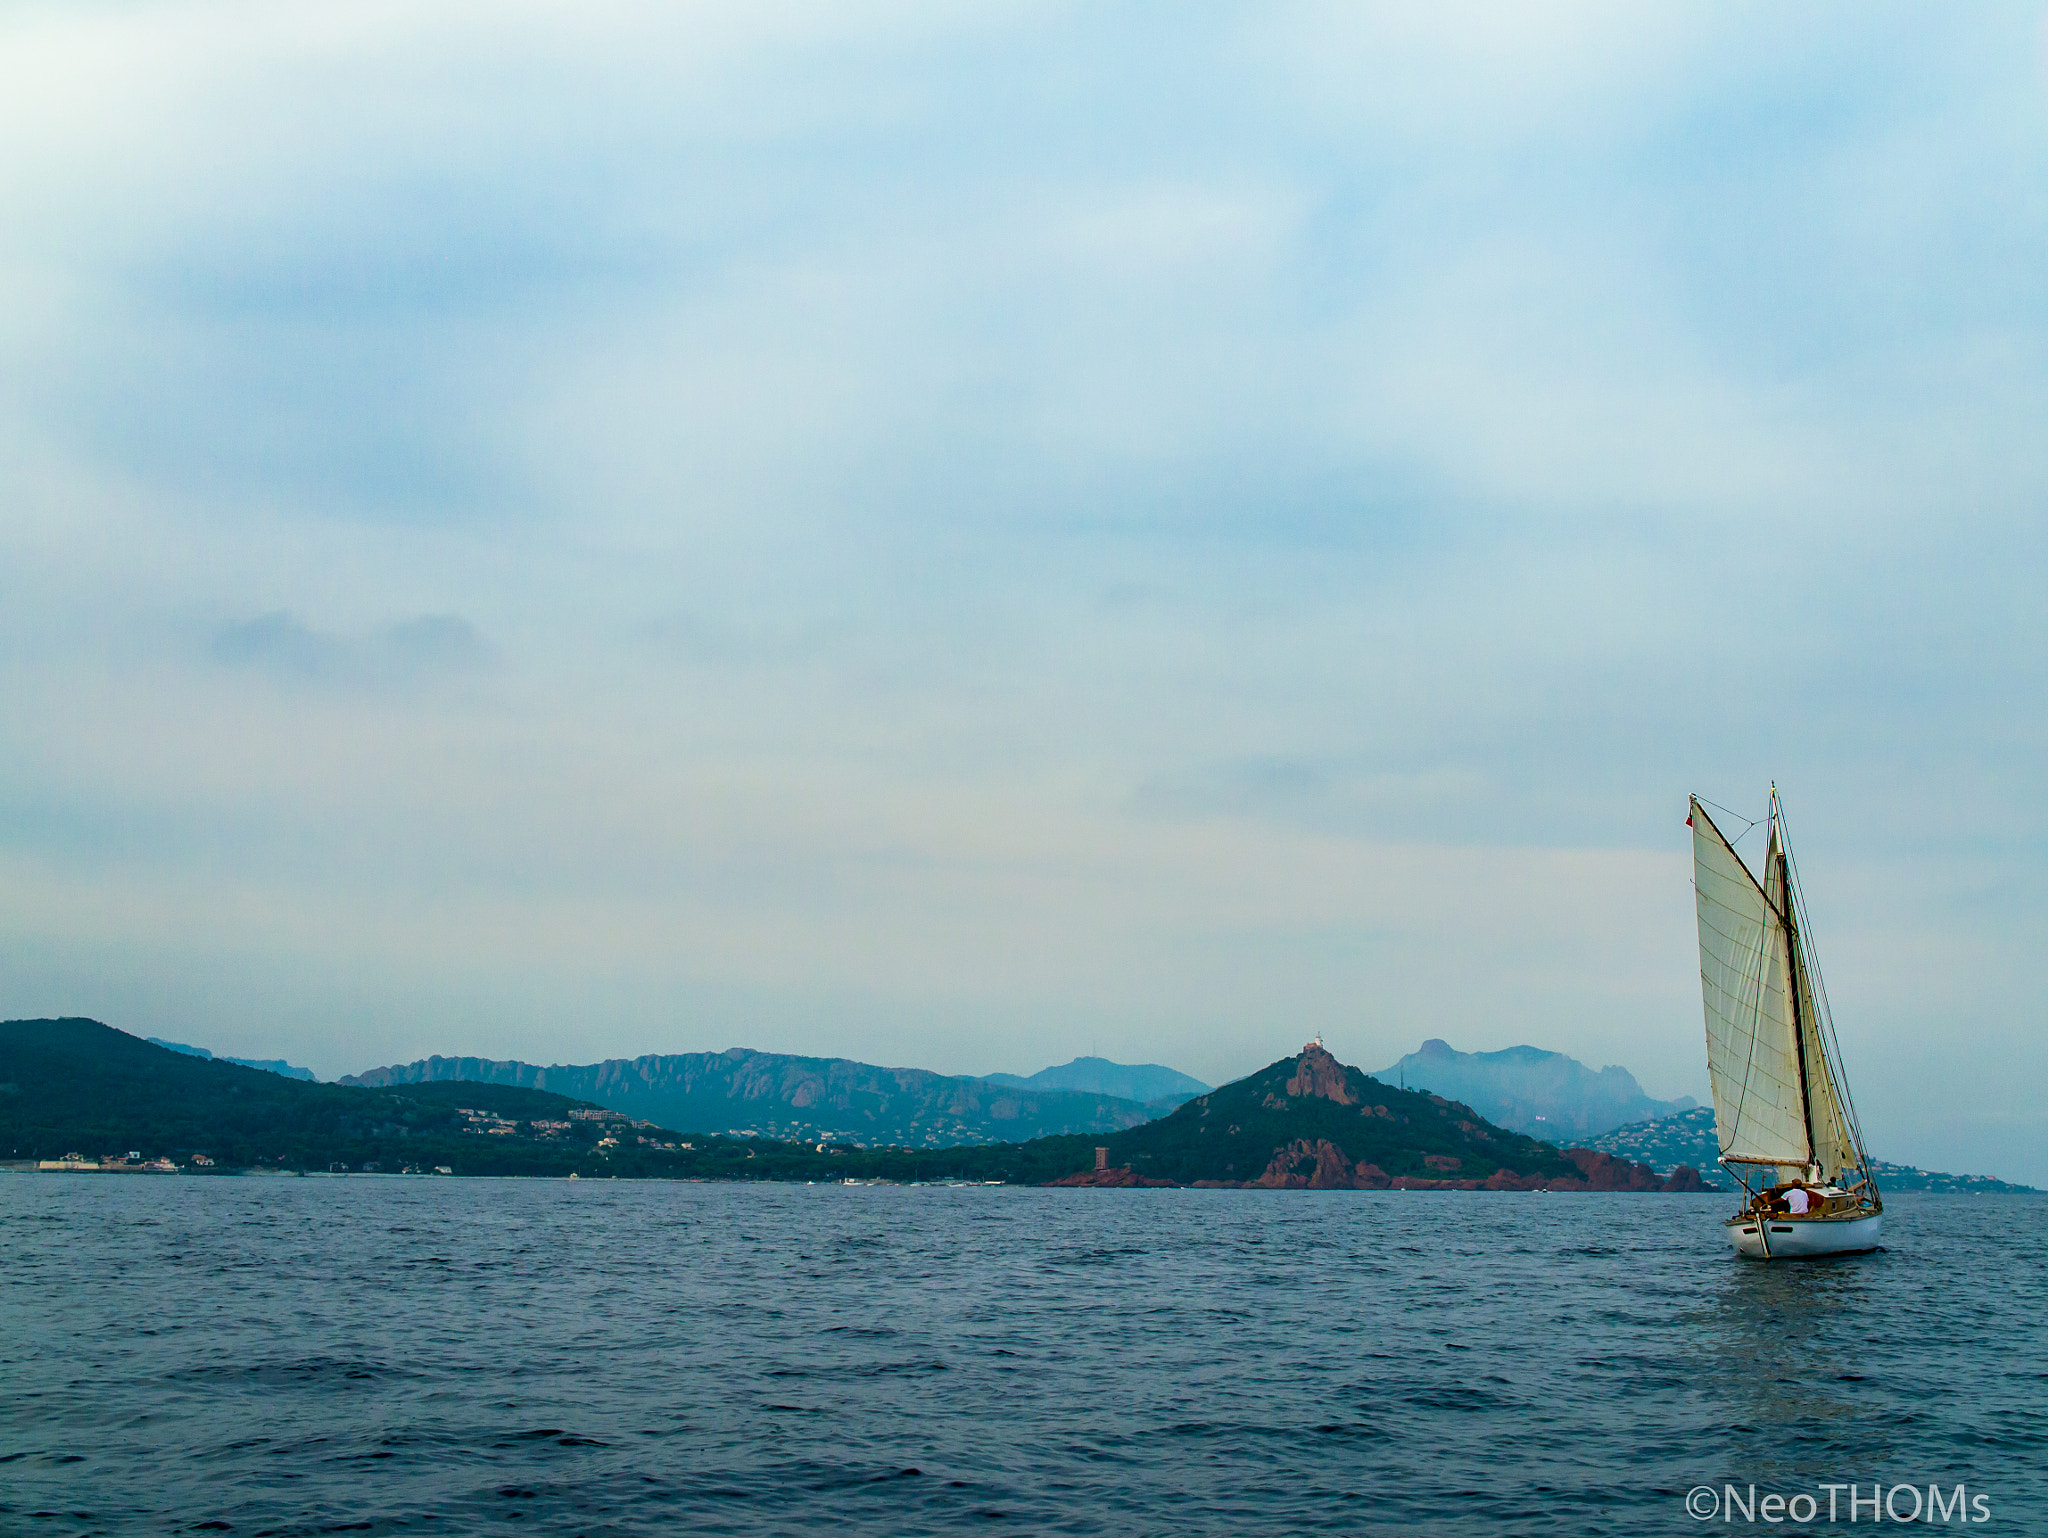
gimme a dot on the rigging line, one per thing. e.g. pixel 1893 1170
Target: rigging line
pixel 1750 824
pixel 1848 1123
pixel 1747 822
pixel 1838 1077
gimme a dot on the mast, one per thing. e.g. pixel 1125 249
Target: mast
pixel 1792 981
pixel 1798 1023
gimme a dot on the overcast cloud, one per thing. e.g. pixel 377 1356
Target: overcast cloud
pixel 961 536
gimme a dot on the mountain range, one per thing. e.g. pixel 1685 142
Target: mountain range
pixel 76 1095
pixel 49 1070
pixel 743 1093
pixel 1543 1094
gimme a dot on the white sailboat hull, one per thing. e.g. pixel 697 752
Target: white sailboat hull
pixel 1787 1238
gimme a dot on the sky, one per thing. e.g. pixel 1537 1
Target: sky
pixel 963 536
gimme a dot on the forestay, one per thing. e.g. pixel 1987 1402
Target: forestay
pixel 1834 1148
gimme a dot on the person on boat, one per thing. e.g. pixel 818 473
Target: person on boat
pixel 1791 1199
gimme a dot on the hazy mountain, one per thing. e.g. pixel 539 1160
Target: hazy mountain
pixel 1689 1138
pixel 1527 1089
pixel 1146 1083
pixel 267 1064
pixel 767 1094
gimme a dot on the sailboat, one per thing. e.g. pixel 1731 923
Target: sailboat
pixel 1788 1129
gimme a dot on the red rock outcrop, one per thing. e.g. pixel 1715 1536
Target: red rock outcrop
pixel 1321 1166
pixel 1604 1172
pixel 1318 1073
pixel 1122 1175
pixel 1331 1172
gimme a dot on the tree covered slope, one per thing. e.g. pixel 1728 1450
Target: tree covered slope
pixel 745 1093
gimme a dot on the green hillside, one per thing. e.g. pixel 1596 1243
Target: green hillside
pixel 79 1087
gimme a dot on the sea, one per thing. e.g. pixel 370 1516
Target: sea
pixel 445 1356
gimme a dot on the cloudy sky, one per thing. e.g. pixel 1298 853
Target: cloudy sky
pixel 966 535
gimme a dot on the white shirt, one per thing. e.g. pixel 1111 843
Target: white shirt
pixel 1795 1199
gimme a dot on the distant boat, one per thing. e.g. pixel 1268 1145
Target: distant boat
pixel 1787 1128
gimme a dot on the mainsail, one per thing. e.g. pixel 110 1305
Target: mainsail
pixel 1753 1052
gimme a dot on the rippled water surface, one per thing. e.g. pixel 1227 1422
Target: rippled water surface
pixel 444 1356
